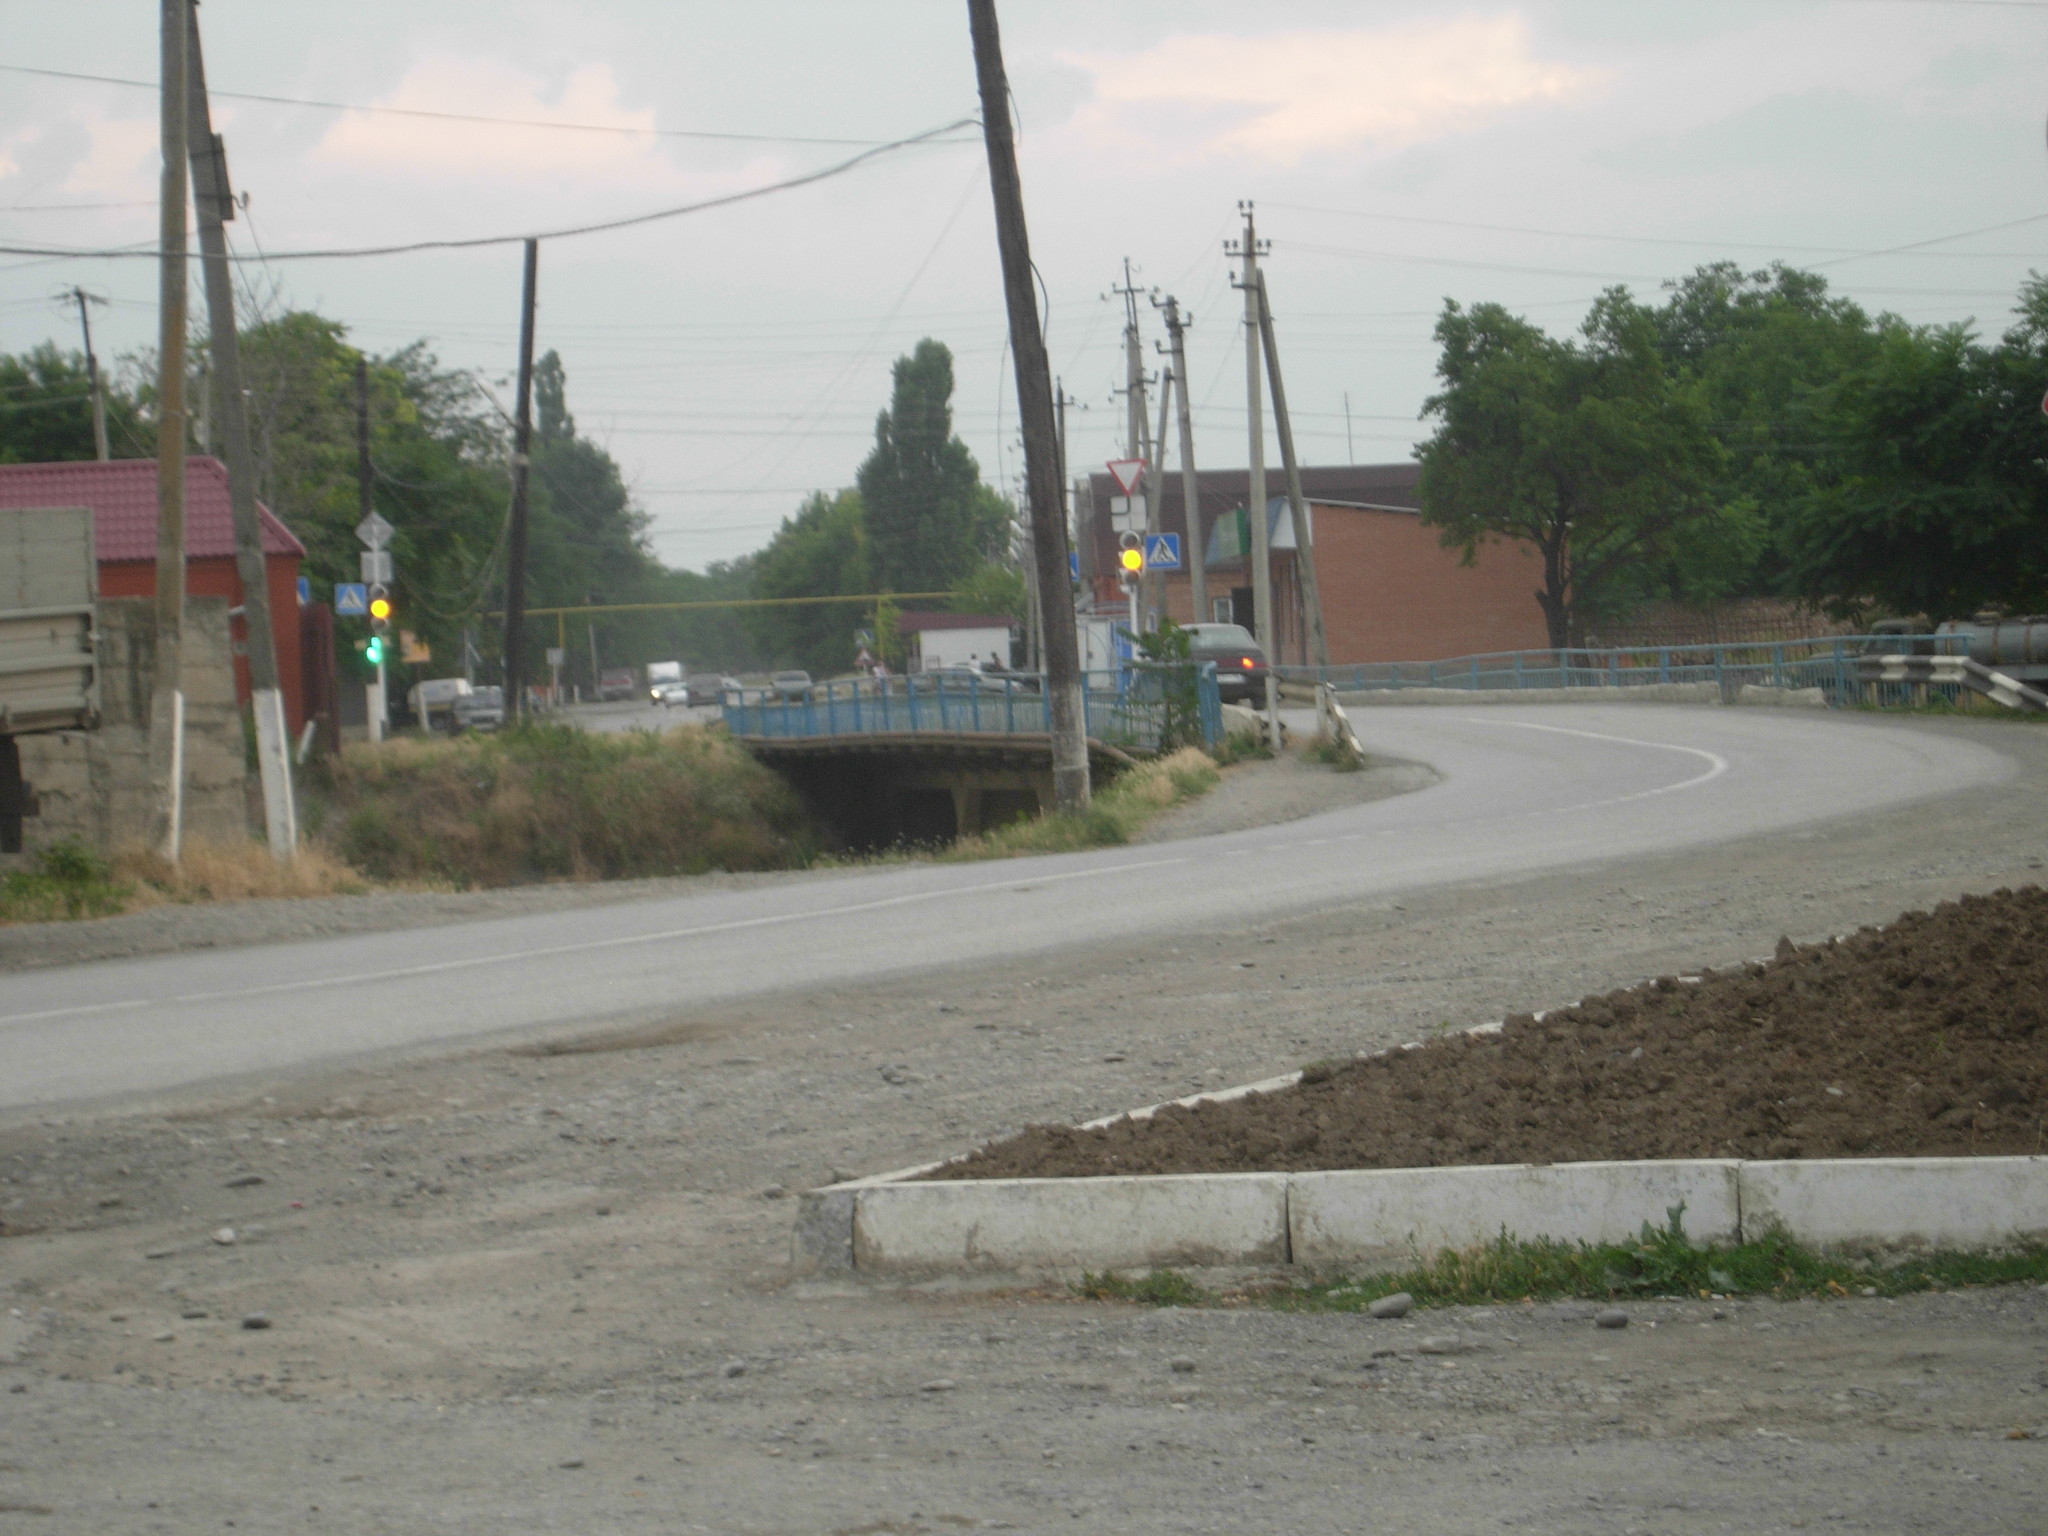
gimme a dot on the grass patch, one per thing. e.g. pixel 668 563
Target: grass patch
pixel 546 801
pixel 1332 754
pixel 1114 815
pixel 67 881
pixel 1661 1263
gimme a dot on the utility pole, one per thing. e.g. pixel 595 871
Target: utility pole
pixel 1261 558
pixel 1066 709
pixel 1190 491
pixel 1350 453
pixel 1155 502
pixel 167 693
pixel 515 553
pixel 1304 546
pixel 82 299
pixel 213 201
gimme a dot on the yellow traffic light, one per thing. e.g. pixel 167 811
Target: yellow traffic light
pixel 1132 560
pixel 380 607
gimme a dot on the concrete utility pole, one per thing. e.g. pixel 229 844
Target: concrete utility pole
pixel 1155 498
pixel 213 201
pixel 1065 705
pixel 1304 545
pixel 1261 555
pixel 82 299
pixel 1197 553
pixel 515 553
pixel 167 692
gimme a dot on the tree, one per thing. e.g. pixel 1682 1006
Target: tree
pixel 1594 451
pixel 821 551
pixel 1941 503
pixel 930 519
pixel 46 410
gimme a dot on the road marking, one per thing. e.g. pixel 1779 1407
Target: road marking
pixel 733 925
pixel 1717 764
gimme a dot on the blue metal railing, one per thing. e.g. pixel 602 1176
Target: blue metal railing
pixel 1827 663
pixel 1134 708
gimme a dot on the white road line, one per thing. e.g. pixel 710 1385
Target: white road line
pixel 588 946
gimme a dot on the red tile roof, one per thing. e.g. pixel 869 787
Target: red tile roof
pixel 122 496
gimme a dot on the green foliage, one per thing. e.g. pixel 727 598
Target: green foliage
pixel 1596 451
pixel 993 587
pixel 68 880
pixel 931 521
pixel 1161 1288
pixel 1172 674
pixel 821 550
pixel 46 410
pixel 549 802
pixel 1115 813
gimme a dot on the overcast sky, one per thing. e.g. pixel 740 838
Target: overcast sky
pixel 1399 154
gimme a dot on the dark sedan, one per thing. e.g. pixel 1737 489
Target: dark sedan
pixel 1240 663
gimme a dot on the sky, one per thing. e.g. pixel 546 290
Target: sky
pixel 732 360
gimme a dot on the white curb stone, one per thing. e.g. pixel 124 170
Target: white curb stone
pixel 1937 1202
pixel 1375 1218
pixel 1065 1224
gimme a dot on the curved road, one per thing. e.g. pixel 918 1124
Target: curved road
pixel 1524 788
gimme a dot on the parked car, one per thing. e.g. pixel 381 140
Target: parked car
pixel 791 685
pixel 616 683
pixel 1240 663
pixel 481 709
pixel 708 688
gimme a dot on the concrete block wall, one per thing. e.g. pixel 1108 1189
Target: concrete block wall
pixel 94 785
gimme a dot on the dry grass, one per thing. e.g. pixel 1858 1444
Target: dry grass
pixel 233 871
pixel 1113 816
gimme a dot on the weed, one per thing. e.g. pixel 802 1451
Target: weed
pixel 68 881
pixel 1332 754
pixel 1242 745
pixel 1661 1262
pixel 235 871
pixel 1113 816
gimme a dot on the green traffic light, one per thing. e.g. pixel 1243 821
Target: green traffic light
pixel 374 651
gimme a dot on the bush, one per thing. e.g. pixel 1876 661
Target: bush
pixel 1113 816
pixel 549 802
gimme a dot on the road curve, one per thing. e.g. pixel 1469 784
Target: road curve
pixel 1524 788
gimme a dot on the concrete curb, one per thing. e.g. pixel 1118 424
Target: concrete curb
pixel 1370 1219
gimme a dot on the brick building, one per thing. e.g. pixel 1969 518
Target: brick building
pixel 1391 591
pixel 122 496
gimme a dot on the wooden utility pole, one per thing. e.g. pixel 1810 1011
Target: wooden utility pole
pixel 167 692
pixel 92 373
pixel 1197 555
pixel 1065 703
pixel 1304 545
pixel 515 543
pixel 213 201
pixel 1155 498
pixel 1261 554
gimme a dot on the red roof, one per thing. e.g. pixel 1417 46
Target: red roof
pixel 910 621
pixel 122 496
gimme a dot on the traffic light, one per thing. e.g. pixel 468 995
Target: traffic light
pixel 380 610
pixel 373 652
pixel 1132 555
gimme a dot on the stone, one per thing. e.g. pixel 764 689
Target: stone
pixel 1400 1304
pixel 225 1236
pixel 1442 1344
pixel 244 1181
pixel 1181 1363
pixel 733 1368
pixel 943 1384
pixel 165 1337
pixel 192 1312
pixel 1610 1317
pixel 256 1320
pixel 571 1464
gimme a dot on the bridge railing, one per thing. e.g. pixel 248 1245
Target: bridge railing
pixel 1138 708
pixel 1825 662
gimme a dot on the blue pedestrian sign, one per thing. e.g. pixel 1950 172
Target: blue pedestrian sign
pixel 305 590
pixel 1074 563
pixel 351 599
pixel 1162 551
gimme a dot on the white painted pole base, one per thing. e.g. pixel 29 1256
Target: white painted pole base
pixel 174 790
pixel 373 695
pixel 273 762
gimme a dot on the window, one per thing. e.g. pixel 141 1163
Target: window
pixel 1219 610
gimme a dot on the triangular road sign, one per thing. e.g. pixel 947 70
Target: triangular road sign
pixel 1127 473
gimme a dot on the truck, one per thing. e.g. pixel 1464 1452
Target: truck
pixel 661 677
pixel 49 668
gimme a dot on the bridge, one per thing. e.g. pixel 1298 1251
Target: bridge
pixel 938 755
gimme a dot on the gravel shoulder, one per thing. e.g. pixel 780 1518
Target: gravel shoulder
pixel 511 1291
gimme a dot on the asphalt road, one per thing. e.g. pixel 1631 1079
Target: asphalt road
pixel 1524 789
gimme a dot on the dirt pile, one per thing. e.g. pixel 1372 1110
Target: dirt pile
pixel 1928 1036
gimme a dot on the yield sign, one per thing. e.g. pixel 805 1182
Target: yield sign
pixel 1127 473
pixel 374 531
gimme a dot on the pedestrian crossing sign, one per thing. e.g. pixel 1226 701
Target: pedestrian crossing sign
pixel 1162 551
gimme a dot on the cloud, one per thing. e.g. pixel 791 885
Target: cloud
pixel 122 159
pixel 420 147
pixel 21 138
pixel 1285 95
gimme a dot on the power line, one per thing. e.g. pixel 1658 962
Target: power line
pixel 476 242
pixel 465 117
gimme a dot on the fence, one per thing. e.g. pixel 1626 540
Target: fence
pixel 1827 663
pixel 1138 708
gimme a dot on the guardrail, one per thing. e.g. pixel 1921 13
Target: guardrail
pixel 1137 708
pixel 1828 663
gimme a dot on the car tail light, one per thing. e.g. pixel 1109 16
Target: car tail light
pixel 1248 663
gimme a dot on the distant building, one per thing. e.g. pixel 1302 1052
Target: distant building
pixel 122 496
pixel 1390 590
pixel 934 640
